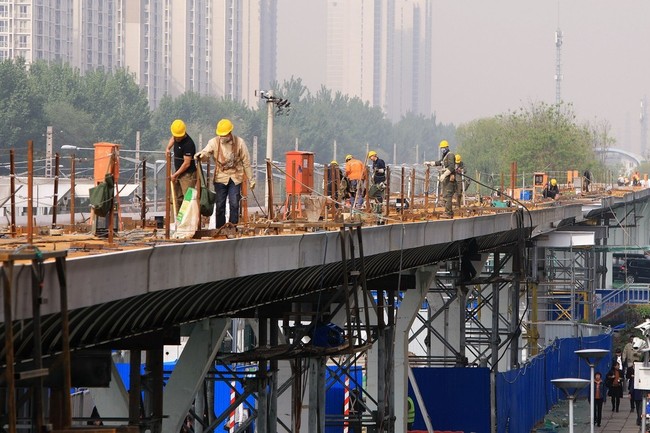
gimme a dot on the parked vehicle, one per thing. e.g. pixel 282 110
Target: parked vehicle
pixel 620 263
pixel 631 268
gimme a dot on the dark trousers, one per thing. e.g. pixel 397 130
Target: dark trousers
pixel 638 404
pixel 231 192
pixel 616 402
pixel 598 411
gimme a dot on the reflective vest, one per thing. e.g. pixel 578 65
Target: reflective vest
pixel 411 414
pixel 354 169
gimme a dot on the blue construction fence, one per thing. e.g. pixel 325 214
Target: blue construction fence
pixel 525 395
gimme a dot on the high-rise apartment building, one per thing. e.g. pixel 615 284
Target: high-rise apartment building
pixel 380 51
pixel 211 47
pixel 77 32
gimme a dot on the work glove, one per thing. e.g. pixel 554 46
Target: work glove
pixel 252 185
pixel 198 155
pixel 380 170
pixel 444 175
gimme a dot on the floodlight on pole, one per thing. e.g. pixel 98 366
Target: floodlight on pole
pixel 570 386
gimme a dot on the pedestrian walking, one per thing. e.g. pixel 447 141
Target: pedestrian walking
pixel 599 397
pixel 614 384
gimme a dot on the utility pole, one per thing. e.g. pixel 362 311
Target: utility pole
pixel 283 107
pixel 269 143
pixel 48 152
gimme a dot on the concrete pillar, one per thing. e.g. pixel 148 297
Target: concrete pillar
pixel 406 313
pixel 193 365
pixel 112 402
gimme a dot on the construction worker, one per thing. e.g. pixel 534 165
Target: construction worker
pixel 232 167
pixel 551 190
pixel 586 180
pixel 411 413
pixel 334 178
pixel 378 177
pixel 355 173
pixel 461 182
pixel 447 176
pixel 184 175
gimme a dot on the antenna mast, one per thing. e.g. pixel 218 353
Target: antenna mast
pixel 558 66
pixel 643 117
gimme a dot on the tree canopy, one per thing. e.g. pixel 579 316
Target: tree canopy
pixel 110 106
pixel 540 137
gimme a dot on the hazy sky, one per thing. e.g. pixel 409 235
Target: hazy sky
pixel 491 56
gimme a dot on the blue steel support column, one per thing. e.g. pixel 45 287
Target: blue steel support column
pixel 406 314
pixel 190 371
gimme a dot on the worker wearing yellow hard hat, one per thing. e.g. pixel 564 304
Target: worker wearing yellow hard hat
pixel 182 150
pixel 232 167
pixel 355 172
pixel 462 183
pixel 551 190
pixel 447 176
pixel 378 177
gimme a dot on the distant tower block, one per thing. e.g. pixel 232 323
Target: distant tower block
pixel 558 66
pixel 643 117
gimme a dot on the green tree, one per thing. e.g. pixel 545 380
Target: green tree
pixel 540 137
pixel 416 131
pixel 119 107
pixel 201 114
pixel 21 112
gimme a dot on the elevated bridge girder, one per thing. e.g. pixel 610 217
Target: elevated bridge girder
pixel 251 280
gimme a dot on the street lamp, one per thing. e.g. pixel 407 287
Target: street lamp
pixel 592 356
pixel 71 147
pixel 570 386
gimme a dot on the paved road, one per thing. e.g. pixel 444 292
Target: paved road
pixel 623 421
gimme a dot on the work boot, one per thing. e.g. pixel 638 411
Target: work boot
pixel 447 215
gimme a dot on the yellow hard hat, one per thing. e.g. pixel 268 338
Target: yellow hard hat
pixel 348 157
pixel 457 159
pixel 224 127
pixel 444 143
pixel 372 153
pixel 178 128
pixel 334 162
pixel 553 182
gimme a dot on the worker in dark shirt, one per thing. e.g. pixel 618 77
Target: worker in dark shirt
pixel 378 177
pixel 551 190
pixel 184 174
